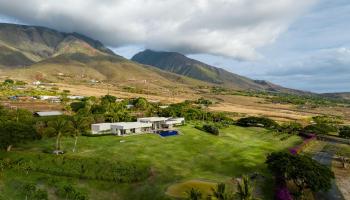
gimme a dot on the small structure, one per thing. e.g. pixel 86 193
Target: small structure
pixel 53 99
pixel 48 113
pixel 155 121
pixel 74 97
pixel 124 128
pixel 36 83
pixel 129 106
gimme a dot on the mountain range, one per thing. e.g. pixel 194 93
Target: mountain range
pixel 29 52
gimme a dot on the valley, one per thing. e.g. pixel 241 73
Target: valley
pixel 79 122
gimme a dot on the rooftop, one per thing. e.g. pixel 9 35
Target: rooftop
pixel 151 119
pixel 48 113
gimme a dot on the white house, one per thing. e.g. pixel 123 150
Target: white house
pixel 100 128
pixel 146 124
pixel 155 121
pixel 123 128
pixel 171 122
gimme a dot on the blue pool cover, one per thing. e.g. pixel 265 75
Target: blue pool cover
pixel 168 133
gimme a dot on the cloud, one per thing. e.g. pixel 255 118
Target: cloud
pixel 325 70
pixel 322 62
pixel 232 28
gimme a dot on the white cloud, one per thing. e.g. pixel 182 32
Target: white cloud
pixel 233 28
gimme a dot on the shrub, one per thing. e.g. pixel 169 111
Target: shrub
pixel 78 167
pixel 257 122
pixel 71 193
pixel 211 129
pixel 345 132
pixel 319 129
pixel 31 192
pixel 291 127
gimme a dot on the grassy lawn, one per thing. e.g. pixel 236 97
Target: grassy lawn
pixel 192 155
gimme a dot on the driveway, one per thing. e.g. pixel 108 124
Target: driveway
pixel 334 193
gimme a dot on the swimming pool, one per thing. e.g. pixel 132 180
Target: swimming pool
pixel 168 133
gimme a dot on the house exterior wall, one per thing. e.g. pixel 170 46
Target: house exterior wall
pixel 98 128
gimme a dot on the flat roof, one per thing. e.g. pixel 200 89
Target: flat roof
pixel 152 119
pixel 130 125
pixel 48 113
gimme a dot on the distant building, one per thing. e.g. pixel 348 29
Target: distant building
pixel 75 97
pixel 47 113
pixel 52 99
pixel 129 106
pixel 36 83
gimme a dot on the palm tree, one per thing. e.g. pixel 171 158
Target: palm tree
pixel 220 192
pixel 194 194
pixel 60 127
pixel 78 123
pixel 245 189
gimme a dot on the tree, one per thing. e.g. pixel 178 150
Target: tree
pixel 9 82
pixel 141 103
pixel 319 129
pixel 194 194
pixel 344 132
pixel 258 122
pixel 291 127
pixel 29 190
pixel 245 189
pixel 60 127
pixel 78 125
pixel 107 99
pixel 305 172
pixel 12 133
pixel 211 129
pixel 76 106
pixel 220 192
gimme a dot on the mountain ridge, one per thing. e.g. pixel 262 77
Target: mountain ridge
pixel 180 64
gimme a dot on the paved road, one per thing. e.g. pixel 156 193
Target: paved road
pixel 334 193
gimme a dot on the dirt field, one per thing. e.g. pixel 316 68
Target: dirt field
pixel 98 90
pixel 32 106
pixel 241 105
pixel 280 112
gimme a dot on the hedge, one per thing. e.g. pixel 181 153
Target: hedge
pixel 78 167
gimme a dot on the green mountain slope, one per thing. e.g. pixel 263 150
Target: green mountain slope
pixel 32 53
pixel 39 43
pixel 182 65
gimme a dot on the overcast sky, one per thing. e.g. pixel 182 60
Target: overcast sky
pixel 300 44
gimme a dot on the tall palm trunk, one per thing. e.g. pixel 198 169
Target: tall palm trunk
pixel 58 141
pixel 9 147
pixel 75 142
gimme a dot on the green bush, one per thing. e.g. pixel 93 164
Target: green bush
pixel 70 193
pixel 257 122
pixel 211 129
pixel 344 132
pixel 319 129
pixel 74 166
pixel 291 127
pixel 31 192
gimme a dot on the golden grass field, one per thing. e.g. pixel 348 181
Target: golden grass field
pixel 237 105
